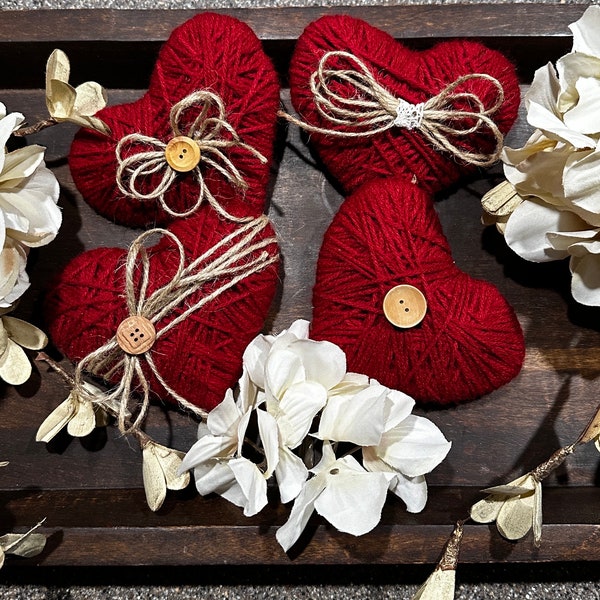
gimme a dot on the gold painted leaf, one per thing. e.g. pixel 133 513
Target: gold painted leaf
pixel 83 421
pixel 15 367
pixel 501 200
pixel 56 420
pixel 439 586
pixel 486 510
pixel 155 485
pixel 25 334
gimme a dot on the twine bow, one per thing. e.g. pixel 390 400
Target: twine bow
pixel 373 109
pixel 244 255
pixel 141 156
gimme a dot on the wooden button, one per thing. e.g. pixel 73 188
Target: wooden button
pixel 182 154
pixel 404 306
pixel 136 335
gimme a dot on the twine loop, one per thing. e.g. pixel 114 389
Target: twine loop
pixel 140 156
pixel 244 254
pixel 373 109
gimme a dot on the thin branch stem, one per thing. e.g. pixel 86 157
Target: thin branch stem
pixel 35 128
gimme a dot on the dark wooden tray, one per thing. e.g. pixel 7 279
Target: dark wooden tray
pixel 91 491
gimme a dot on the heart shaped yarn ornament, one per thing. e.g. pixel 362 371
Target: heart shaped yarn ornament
pixel 469 341
pixel 218 63
pixel 205 288
pixel 375 108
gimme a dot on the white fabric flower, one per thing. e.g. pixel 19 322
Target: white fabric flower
pixel 29 216
pixel 217 459
pixel 557 172
pixel 341 491
pixel 293 375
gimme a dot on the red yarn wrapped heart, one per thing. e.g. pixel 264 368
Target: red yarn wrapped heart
pixel 209 52
pixel 198 358
pixel 386 234
pixel 414 77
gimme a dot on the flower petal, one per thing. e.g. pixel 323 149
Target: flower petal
pixel 352 501
pixel 269 436
pixel 282 370
pixel 287 535
pixel 414 447
pixel 224 418
pixel 252 483
pixel 527 228
pixel 585 32
pixel 297 409
pixel 585 283
pixel 358 419
pixel 207 448
pixel 291 474
pixel 61 99
pixel 323 361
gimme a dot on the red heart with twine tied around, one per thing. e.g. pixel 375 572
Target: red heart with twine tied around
pixel 200 357
pixel 400 73
pixel 210 52
pixel 387 234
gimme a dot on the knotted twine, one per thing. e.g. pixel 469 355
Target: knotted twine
pixel 373 109
pixel 244 257
pixel 207 130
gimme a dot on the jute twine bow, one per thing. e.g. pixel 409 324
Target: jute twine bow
pixel 243 256
pixel 372 109
pixel 213 135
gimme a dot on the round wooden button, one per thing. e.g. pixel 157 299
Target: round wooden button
pixel 182 154
pixel 136 335
pixel 404 306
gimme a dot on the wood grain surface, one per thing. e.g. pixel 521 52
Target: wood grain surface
pixel 90 490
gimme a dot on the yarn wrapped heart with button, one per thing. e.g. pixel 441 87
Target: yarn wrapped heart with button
pixel 173 319
pixel 394 126
pixel 213 88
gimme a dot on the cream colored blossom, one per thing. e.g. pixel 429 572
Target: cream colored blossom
pixel 29 216
pixel 555 176
pixel 66 103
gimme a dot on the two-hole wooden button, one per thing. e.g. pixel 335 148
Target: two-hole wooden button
pixel 404 306
pixel 182 154
pixel 136 335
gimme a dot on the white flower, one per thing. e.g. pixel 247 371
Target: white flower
pixel 557 172
pixel 66 103
pixel 394 441
pixel 217 459
pixel 293 375
pixel 29 216
pixel 341 491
